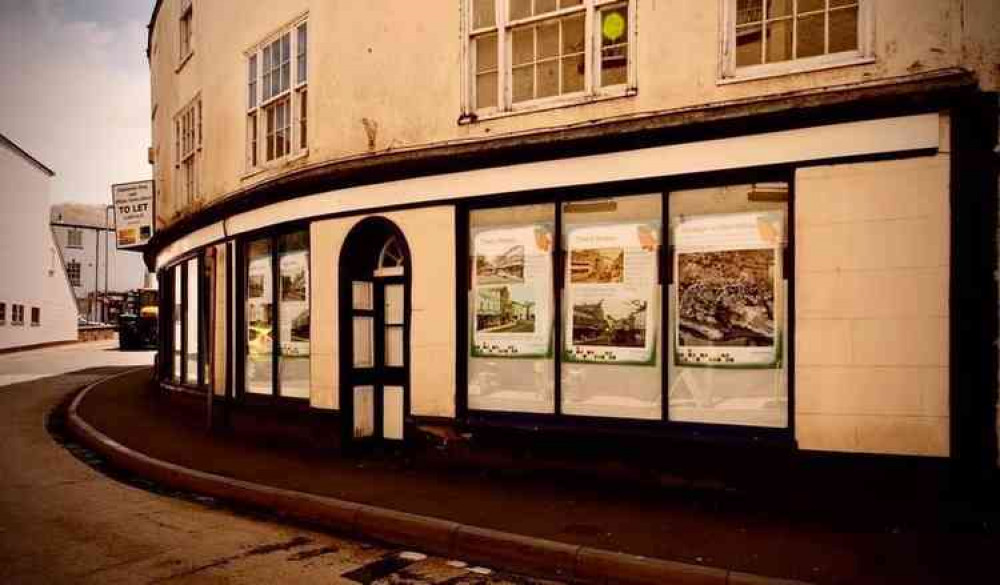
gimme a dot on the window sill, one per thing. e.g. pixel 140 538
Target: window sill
pixel 184 61
pixel 546 105
pixel 759 72
pixel 276 164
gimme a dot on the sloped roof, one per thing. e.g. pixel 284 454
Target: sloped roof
pixel 80 214
pixel 24 154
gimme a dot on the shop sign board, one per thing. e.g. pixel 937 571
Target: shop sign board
pixel 133 203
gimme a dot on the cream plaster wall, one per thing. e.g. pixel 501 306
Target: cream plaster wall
pixel 396 67
pixel 430 234
pixel 872 269
pixel 221 306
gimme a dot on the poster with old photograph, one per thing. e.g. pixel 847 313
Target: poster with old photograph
pixel 512 291
pixel 611 280
pixel 293 308
pixel 728 276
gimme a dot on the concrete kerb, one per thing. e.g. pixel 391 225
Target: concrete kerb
pixel 514 552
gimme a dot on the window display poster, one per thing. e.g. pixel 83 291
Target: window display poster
pixel 512 291
pixel 259 306
pixel 293 306
pixel 728 273
pixel 610 293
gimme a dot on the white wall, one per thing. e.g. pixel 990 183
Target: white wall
pixel 30 271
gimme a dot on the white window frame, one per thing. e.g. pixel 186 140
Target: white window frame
pixel 185 33
pixel 76 282
pixel 188 139
pixel 256 108
pixel 730 73
pixel 74 238
pixel 503 29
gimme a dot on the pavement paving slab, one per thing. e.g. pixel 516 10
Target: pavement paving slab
pixel 822 543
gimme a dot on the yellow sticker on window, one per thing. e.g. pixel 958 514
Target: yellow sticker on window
pixel 613 26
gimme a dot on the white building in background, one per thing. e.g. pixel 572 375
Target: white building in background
pixel 36 301
pixel 86 237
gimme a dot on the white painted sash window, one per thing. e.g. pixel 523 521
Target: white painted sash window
pixel 764 38
pixel 187 143
pixel 533 54
pixel 277 77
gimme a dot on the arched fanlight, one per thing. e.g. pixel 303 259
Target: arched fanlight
pixel 391 258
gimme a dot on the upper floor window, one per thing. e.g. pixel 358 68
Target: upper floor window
pixel 36 316
pixel 3 313
pixel 186 27
pixel 774 37
pixel 524 54
pixel 187 143
pixel 74 238
pixel 277 77
pixel 73 272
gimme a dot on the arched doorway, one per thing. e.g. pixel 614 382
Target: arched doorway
pixel 374 331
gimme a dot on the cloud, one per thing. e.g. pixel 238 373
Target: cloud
pixel 76 91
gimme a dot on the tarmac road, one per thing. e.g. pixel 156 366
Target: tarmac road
pixel 62 521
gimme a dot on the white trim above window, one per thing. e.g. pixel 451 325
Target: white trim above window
pixel 784 37
pixel 529 55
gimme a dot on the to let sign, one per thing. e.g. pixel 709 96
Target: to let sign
pixel 133 213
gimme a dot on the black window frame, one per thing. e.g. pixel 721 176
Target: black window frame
pixel 663 426
pixel 273 235
pixel 168 304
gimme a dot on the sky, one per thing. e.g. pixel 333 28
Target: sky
pixel 75 91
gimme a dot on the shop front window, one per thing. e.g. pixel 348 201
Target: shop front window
pixel 293 314
pixel 177 342
pixel 729 306
pixel 669 307
pixel 193 311
pixel 511 309
pixel 277 316
pixel 610 305
pixel 259 318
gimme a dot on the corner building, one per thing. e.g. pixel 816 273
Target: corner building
pixel 762 221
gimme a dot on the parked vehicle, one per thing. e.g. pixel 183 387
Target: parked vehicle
pixel 138 321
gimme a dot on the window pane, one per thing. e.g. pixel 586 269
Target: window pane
pixel 543 6
pixel 486 90
pixel 193 311
pixel 303 108
pixel 778 8
pixel 836 3
pixel 749 11
pixel 259 333
pixel 302 43
pixel 844 30
pixel 523 48
pixel 486 53
pixel 727 307
pixel 810 36
pixel 614 43
pixel 293 314
pixel 548 40
pixel 809 5
pixel 483 13
pixel 511 309
pixel 779 40
pixel 524 83
pixel 519 9
pixel 252 81
pixel 361 293
pixel 612 347
pixel 573 34
pixel 748 45
pixel 177 340
pixel 364 353
pixel 572 74
pixel 548 78
pixel 394 304
pixel 394 347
